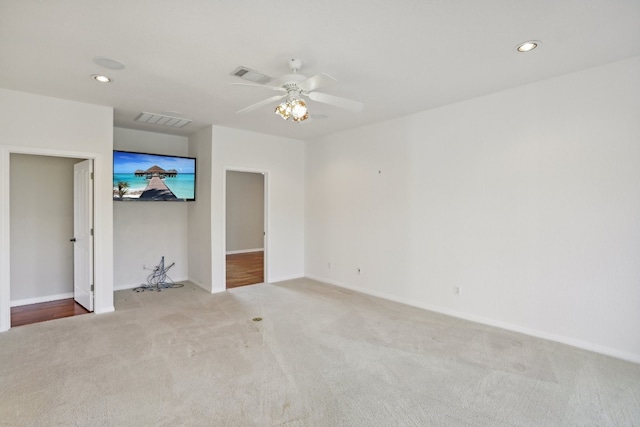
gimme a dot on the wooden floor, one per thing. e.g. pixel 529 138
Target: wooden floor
pixel 35 313
pixel 245 269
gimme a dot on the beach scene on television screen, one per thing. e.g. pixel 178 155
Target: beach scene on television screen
pixel 150 177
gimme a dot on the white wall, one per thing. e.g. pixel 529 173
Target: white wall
pixel 245 212
pixel 34 124
pixel 283 161
pixel 143 232
pixel 41 221
pixel 528 200
pixel 199 212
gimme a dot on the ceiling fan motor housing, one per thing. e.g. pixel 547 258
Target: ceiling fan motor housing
pixel 293 91
pixel 289 80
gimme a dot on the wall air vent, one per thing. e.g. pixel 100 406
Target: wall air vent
pixel 251 75
pixel 161 119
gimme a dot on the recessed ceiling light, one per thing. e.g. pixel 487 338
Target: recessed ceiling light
pixel 528 46
pixel 102 79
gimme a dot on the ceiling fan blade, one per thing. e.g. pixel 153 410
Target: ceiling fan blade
pixel 336 101
pixel 261 103
pixel 257 85
pixel 314 82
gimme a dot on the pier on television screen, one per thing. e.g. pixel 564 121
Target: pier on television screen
pixel 153 177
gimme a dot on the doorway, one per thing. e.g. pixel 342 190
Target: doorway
pixel 41 194
pixel 245 228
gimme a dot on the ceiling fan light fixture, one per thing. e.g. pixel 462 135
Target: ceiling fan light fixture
pixel 301 119
pixel 298 109
pixel 295 109
pixel 284 110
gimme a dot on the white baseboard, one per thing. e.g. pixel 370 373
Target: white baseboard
pixel 37 300
pixel 585 345
pixel 245 251
pixel 285 278
pixel 125 287
pixel 200 285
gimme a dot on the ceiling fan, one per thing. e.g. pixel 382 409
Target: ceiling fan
pixel 294 87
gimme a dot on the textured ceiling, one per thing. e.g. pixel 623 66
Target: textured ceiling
pixel 397 57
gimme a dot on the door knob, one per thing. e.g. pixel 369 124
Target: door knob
pixel 72 240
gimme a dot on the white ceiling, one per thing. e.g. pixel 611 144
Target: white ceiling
pixel 397 57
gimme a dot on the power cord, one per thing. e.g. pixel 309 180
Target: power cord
pixel 159 279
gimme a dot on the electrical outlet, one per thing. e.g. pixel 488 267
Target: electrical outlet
pixel 456 290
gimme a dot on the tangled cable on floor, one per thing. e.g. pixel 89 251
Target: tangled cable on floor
pixel 159 279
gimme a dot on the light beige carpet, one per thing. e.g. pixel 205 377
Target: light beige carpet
pixel 321 356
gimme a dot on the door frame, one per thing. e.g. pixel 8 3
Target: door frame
pixel 5 223
pixel 267 238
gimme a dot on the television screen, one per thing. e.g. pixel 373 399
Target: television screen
pixel 152 177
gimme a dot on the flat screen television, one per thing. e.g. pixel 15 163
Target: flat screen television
pixel 153 177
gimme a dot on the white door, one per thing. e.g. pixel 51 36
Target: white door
pixel 83 233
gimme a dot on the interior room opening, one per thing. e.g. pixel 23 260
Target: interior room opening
pixel 42 238
pixel 245 228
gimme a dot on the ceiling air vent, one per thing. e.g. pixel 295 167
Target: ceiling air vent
pixel 161 119
pixel 251 75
